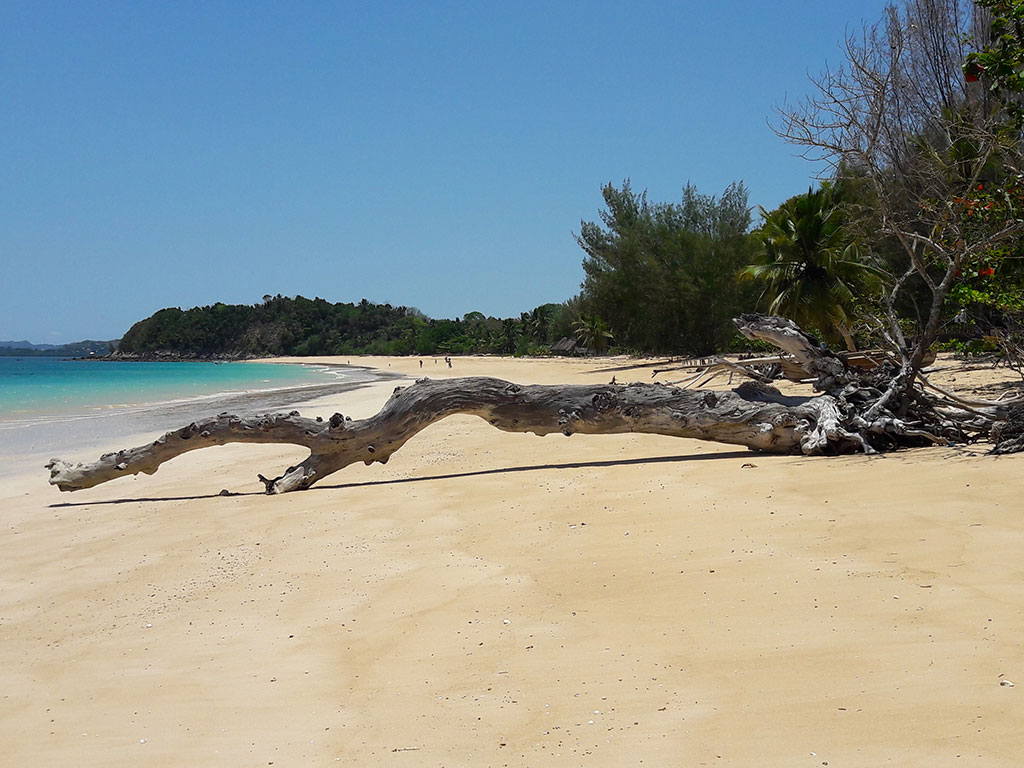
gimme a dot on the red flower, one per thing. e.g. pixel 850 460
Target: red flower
pixel 986 272
pixel 981 186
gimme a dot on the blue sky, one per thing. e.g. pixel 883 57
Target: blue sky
pixel 437 155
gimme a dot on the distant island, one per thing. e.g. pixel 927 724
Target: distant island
pixel 87 348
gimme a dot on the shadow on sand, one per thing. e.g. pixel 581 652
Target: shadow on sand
pixel 428 478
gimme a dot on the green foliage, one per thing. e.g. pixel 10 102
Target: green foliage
pixel 299 326
pixel 969 347
pixel 992 277
pixel 812 270
pixel 1001 63
pixel 662 275
pixel 278 326
pixel 987 294
pixel 593 333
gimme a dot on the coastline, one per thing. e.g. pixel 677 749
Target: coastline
pixel 490 598
pixel 84 433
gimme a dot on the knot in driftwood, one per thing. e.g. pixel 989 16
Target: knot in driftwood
pixel 565 420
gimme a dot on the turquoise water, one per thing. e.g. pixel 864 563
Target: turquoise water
pixel 39 386
pixel 54 407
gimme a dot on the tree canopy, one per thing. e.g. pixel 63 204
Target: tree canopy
pixel 812 269
pixel 663 275
pixel 281 325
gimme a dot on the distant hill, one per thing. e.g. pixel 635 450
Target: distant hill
pixel 26 345
pixel 278 326
pixel 85 348
pixel 301 326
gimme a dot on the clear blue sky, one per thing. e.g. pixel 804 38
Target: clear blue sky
pixel 433 154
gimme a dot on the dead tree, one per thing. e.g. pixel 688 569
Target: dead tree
pixel 856 410
pixel 899 121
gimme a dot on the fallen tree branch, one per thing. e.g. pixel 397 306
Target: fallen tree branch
pixel 858 411
pixel 749 418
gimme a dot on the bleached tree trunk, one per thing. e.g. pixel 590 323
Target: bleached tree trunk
pixel 752 418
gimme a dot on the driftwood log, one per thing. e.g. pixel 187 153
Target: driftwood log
pixel 856 411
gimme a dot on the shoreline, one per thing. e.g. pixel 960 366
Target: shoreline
pixel 76 435
pixel 489 598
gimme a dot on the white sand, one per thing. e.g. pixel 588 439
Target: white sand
pixel 494 599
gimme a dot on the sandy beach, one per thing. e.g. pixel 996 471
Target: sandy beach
pixel 493 599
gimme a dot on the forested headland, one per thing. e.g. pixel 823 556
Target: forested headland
pixel 912 239
pixel 281 325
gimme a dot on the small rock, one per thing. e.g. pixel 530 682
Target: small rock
pixel 748 465
pixel 1006 684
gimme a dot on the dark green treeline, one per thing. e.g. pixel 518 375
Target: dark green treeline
pixel 301 326
pixel 664 275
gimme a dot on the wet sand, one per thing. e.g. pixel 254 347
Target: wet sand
pixel 494 599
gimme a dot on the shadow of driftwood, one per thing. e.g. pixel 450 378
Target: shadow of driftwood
pixel 539 467
pixel 997 388
pixel 138 499
pixel 428 478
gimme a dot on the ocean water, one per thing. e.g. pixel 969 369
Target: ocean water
pixel 57 407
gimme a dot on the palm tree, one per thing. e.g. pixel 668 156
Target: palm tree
pixel 536 322
pixel 593 333
pixel 813 271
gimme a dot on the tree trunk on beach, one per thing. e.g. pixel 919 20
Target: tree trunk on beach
pixel 856 411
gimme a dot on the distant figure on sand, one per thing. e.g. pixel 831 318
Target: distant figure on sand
pixel 421 363
pixel 449 361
